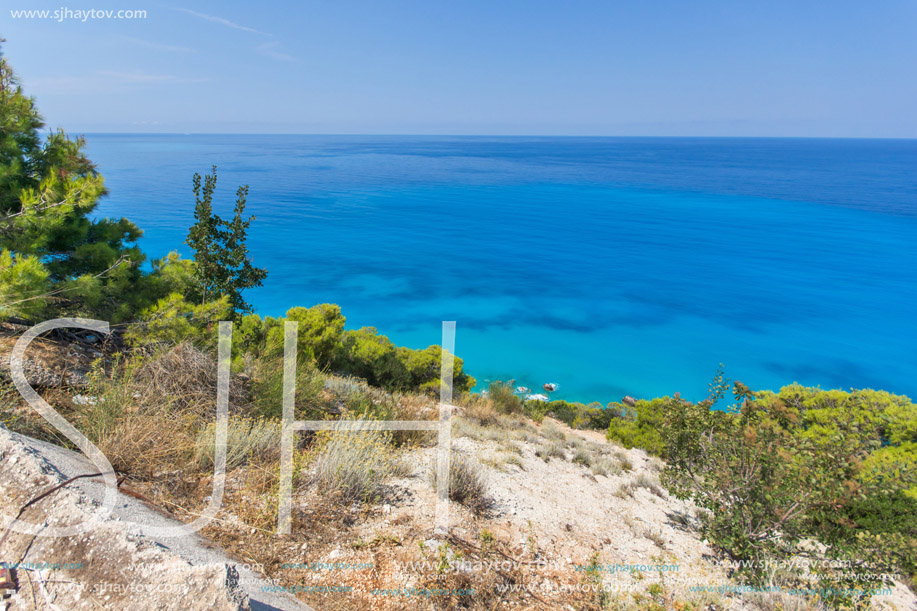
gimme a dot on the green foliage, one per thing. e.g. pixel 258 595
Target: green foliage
pixel 223 267
pixel 23 285
pixel 891 523
pixel 424 368
pixel 174 320
pixel 48 189
pixel 638 426
pixel 574 415
pixel 805 463
pixel 366 354
pixel 267 391
pixel 321 329
pixel 503 398
pixel 171 274
pixel 592 416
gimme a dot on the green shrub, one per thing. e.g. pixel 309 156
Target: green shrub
pixel 536 410
pixel 638 427
pixel 892 520
pixel 574 415
pixel 174 320
pixel 366 354
pixel 503 397
pixel 321 328
pixel 776 469
pixel 424 368
pixel 267 391
pixel 593 417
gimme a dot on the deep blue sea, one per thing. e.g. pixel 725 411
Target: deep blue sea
pixel 610 266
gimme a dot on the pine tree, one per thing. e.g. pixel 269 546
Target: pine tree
pixel 222 264
pixel 48 188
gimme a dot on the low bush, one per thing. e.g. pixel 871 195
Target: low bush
pixel 173 320
pixel 247 439
pixel 582 456
pixel 550 449
pixel 367 354
pixel 267 391
pixel 605 466
pixel 467 482
pixel 354 464
pixel 775 469
pixel 644 480
pixel 503 398
pixel 186 377
pixel 638 427
pixel 574 415
pixel 552 432
pixel 142 434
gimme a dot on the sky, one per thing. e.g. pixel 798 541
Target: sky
pixel 801 68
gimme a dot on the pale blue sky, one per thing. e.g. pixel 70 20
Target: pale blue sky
pixel 579 67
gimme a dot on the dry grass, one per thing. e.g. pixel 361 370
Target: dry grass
pixel 626 490
pixel 575 442
pixel 354 464
pixel 624 460
pixel 645 480
pixel 655 535
pixel 142 433
pixel 415 407
pixel 463 427
pixel 144 443
pixel 553 433
pixel 548 450
pixel 582 456
pixel 186 377
pixel 467 482
pixel 605 466
pixel 246 439
pixel 481 411
pixel 779 600
pixel 501 460
pixel 509 446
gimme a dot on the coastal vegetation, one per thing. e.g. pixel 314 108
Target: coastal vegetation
pixel 829 475
pixel 778 471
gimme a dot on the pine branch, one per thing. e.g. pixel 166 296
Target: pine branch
pixel 120 260
pixel 7 220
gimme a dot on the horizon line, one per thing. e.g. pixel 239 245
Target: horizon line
pixel 482 135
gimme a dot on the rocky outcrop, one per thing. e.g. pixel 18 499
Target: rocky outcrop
pixel 110 566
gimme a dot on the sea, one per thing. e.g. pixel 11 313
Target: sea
pixel 607 266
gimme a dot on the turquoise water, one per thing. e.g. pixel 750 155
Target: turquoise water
pixel 610 266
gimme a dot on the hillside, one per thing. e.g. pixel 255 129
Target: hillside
pixel 545 517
